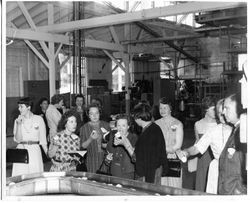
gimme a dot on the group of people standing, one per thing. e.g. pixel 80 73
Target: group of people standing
pixel 144 156
pixel 221 167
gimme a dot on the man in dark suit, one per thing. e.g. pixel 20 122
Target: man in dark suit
pixel 232 162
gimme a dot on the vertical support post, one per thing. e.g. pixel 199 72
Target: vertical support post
pixel 131 70
pixel 126 60
pixel 28 64
pixel 52 68
pixel 79 51
pixel 21 89
pixel 127 82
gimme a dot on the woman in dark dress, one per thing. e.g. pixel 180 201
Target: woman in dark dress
pixel 41 110
pixel 91 134
pixel 149 153
pixel 81 111
pixel 120 162
pixel 42 106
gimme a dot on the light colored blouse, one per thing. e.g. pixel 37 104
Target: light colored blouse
pixel 202 126
pixel 53 117
pixel 32 129
pixel 215 137
pixel 168 128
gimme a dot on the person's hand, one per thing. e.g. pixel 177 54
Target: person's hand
pixel 56 141
pixel 94 135
pixel 104 145
pixel 170 150
pixel 19 119
pixel 182 155
pixel 119 141
pixel 76 158
pixel 109 157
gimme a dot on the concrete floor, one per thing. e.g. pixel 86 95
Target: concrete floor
pixel 188 178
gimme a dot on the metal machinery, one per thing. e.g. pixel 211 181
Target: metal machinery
pixel 83 183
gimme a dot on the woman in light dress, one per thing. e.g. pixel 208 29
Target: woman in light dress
pixel 200 128
pixel 29 131
pixel 216 137
pixel 172 130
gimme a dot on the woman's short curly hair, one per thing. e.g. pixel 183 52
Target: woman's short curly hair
pixel 65 117
pixel 142 111
pixel 166 101
pixel 55 99
pixel 124 116
pixel 26 101
pixel 94 105
pixel 207 102
pixel 42 100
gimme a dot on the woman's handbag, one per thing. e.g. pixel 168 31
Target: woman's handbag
pixel 104 169
pixel 81 166
pixel 17 156
pixel 174 168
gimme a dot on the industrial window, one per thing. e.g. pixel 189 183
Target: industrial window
pixel 118 77
pixel 242 61
pixel 65 74
pixel 165 69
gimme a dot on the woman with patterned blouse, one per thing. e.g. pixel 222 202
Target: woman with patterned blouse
pixel 91 134
pixel 63 142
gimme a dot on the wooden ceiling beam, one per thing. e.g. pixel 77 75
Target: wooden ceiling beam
pixel 114 34
pixel 115 60
pixel 36 36
pixel 15 12
pixel 45 20
pixel 171 26
pixel 34 49
pixel 160 39
pixel 64 39
pixel 103 45
pixel 157 35
pixel 10 6
pixel 134 7
pixel 33 26
pixel 139 15
pixel 34 12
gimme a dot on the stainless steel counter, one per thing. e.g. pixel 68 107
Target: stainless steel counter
pixel 83 183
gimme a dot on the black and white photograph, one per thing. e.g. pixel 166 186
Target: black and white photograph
pixel 124 100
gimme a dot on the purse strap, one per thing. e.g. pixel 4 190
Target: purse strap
pixel 103 163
